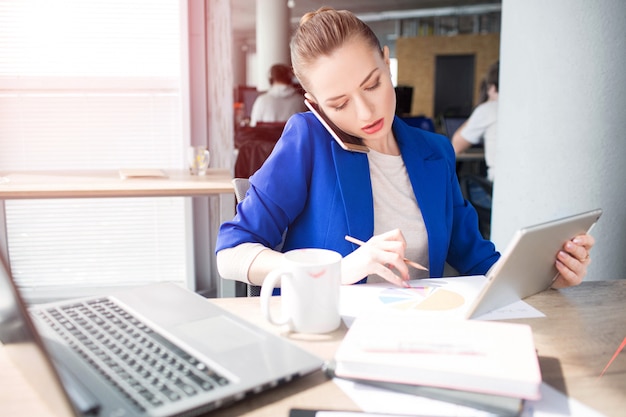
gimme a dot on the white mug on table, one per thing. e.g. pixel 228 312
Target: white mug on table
pixel 310 281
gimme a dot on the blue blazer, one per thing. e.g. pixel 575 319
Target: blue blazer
pixel 318 192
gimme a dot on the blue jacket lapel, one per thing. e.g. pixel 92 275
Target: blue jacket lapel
pixel 427 174
pixel 353 175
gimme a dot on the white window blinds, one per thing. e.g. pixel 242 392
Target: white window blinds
pixel 93 85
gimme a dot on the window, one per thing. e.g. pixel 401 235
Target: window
pixel 94 84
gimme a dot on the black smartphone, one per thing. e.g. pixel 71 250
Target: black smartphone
pixel 345 140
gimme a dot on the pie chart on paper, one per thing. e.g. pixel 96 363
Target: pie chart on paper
pixel 421 298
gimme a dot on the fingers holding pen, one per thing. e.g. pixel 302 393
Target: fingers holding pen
pixel 362 262
pixel 387 260
pixel 386 272
pixel 383 254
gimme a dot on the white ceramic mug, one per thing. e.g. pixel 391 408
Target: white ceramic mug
pixel 310 280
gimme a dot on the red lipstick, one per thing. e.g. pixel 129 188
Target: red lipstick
pixel 374 127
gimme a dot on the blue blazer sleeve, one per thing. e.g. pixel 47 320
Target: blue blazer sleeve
pixel 314 193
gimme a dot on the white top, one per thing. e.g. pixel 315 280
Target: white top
pixel 277 104
pixel 482 124
pixel 395 207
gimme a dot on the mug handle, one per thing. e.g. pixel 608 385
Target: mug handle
pixel 266 294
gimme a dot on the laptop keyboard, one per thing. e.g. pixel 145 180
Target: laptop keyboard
pixel 144 366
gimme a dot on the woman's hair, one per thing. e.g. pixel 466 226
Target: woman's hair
pixel 321 32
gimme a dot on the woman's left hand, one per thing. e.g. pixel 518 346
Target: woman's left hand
pixel 572 261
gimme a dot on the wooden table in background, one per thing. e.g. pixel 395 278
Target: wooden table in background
pixel 471 155
pixel 216 184
pixel 104 184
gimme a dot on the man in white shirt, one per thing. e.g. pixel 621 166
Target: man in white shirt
pixel 482 124
pixel 280 101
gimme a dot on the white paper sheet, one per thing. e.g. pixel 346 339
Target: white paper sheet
pixel 376 400
pixel 518 310
pixel 437 298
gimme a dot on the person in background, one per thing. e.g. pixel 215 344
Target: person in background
pixel 402 197
pixel 482 91
pixel 482 123
pixel 281 100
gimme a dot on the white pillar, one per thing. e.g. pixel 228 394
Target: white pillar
pixel 561 122
pixel 272 38
pixel 219 76
pixel 209 213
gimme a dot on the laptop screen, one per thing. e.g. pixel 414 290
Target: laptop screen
pixel 25 348
pixel 451 125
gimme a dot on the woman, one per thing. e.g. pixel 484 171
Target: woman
pixel 402 197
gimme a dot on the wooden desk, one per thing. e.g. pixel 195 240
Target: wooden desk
pixel 471 155
pixel 472 161
pixel 583 328
pixel 102 184
pixel 106 184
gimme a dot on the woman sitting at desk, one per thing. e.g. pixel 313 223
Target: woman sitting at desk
pixel 402 196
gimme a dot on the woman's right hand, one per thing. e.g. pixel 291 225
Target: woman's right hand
pixel 382 255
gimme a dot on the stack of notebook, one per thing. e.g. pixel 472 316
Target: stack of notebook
pixel 491 366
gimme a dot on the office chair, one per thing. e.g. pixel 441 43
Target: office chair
pixel 241 187
pixel 478 191
pixel 254 145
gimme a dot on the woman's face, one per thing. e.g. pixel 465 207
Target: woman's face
pixel 353 87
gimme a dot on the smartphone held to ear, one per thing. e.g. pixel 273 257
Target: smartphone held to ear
pixel 344 139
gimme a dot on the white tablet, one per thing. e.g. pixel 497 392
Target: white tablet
pixel 527 266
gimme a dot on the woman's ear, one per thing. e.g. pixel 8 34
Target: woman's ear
pixel 386 56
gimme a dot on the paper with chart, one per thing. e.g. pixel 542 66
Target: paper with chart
pixel 438 297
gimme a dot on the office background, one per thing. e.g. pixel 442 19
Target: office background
pixel 561 121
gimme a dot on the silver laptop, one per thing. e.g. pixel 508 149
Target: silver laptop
pixel 527 265
pixel 158 350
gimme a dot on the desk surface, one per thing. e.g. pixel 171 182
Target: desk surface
pixel 471 155
pixel 101 184
pixel 582 329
